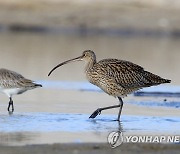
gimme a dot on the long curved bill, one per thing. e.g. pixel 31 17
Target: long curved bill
pixel 71 60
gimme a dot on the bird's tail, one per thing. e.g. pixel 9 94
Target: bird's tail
pixel 153 79
pixel 32 84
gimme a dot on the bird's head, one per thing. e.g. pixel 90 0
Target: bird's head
pixel 86 56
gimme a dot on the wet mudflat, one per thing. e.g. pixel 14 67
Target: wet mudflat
pixel 38 128
pixel 54 121
pixel 58 113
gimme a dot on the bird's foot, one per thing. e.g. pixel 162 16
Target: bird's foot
pixel 9 106
pixel 10 113
pixel 95 113
pixel 117 120
pixel 10 110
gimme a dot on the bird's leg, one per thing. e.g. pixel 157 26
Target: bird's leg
pixel 120 108
pixel 98 111
pixel 10 104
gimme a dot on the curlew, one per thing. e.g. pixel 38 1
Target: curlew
pixel 115 77
pixel 12 83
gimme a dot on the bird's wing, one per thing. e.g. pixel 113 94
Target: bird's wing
pixel 124 73
pixel 11 79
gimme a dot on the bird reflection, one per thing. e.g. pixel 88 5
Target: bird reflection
pixel 101 124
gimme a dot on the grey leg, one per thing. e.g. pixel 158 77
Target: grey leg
pixel 10 104
pixel 98 111
pixel 120 108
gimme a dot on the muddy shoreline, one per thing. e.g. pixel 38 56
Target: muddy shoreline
pixel 91 148
pixel 86 16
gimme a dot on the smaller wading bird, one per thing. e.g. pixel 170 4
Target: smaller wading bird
pixel 12 83
pixel 115 77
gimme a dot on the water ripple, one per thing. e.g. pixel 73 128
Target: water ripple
pixel 49 122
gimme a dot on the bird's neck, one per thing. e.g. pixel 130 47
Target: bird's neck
pixel 90 63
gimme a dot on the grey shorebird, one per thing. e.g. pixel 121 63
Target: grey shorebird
pixel 12 83
pixel 115 77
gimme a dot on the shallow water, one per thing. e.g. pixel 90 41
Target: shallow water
pixel 48 122
pixel 165 91
pixel 20 128
pixel 173 104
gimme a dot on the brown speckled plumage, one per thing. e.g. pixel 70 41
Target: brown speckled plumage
pixel 115 77
pixel 11 79
pixel 12 83
pixel 119 77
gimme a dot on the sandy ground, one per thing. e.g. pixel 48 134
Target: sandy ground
pixel 70 101
pixel 92 148
pixel 156 15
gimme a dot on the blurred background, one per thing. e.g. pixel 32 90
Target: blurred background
pixel 38 34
